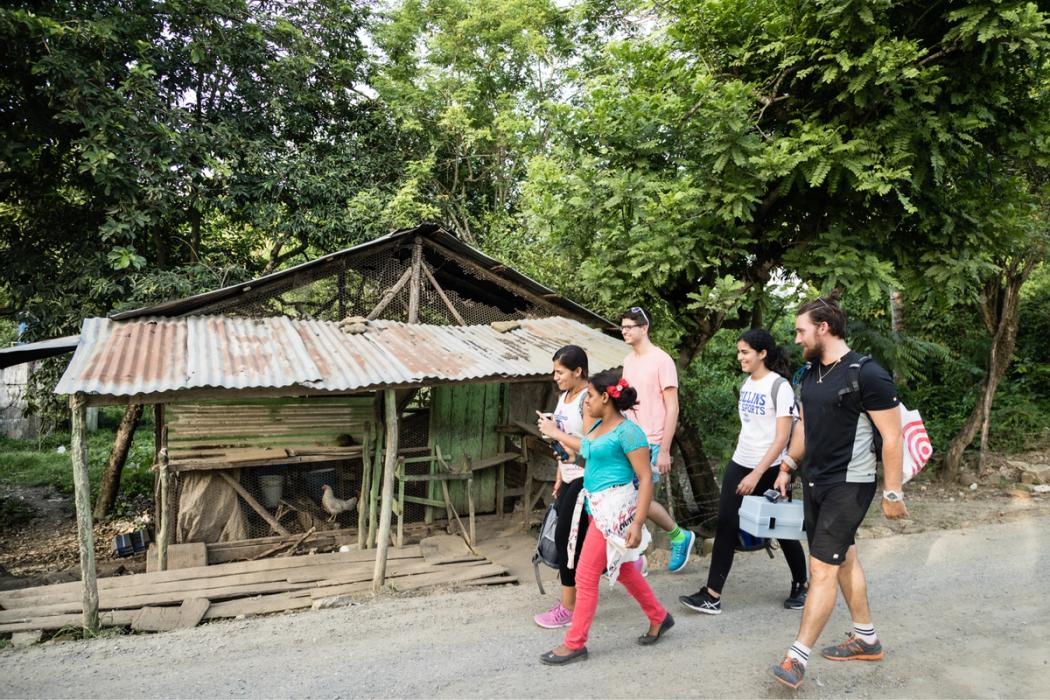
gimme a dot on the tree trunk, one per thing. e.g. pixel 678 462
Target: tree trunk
pixel 110 484
pixel 1001 308
pixel 698 469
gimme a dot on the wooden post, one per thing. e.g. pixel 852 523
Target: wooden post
pixel 82 497
pixel 413 290
pixel 164 532
pixel 383 541
pixel 373 496
pixel 366 487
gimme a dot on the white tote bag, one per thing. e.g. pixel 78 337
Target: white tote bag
pixel 917 447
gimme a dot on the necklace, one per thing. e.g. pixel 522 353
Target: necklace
pixel 821 375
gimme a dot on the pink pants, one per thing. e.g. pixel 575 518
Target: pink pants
pixel 588 576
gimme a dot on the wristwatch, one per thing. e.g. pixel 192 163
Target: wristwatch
pixel 788 462
pixel 893 496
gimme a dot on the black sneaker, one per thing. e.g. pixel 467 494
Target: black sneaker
pixel 703 602
pixel 797 599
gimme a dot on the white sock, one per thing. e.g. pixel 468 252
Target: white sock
pixel 799 652
pixel 865 632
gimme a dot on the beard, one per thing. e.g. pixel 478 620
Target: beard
pixel 813 353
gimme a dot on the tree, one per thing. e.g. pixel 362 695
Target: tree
pixel 466 80
pixel 204 136
pixel 742 140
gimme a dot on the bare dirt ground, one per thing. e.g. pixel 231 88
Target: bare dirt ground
pixel 962 613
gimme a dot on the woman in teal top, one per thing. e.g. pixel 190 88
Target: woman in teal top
pixel 618 485
pixel 606 454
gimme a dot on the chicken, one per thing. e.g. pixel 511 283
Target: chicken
pixel 334 506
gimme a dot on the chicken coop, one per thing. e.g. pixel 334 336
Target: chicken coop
pixel 285 403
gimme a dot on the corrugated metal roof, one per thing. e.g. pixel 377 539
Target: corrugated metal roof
pixel 160 355
pixel 27 352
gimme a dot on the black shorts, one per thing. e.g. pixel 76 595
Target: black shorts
pixel 833 513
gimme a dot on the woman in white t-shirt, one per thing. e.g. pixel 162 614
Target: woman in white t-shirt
pixel 765 408
pixel 570 374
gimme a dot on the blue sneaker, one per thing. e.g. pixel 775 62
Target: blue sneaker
pixel 681 552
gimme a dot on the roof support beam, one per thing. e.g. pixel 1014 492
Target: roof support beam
pixel 441 294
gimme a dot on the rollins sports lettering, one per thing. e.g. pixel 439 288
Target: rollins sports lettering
pixel 752 403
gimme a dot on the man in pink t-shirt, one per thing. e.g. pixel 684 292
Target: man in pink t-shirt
pixel 653 374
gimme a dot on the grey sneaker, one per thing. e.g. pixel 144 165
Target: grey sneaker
pixel 853 649
pixel 797 599
pixel 789 672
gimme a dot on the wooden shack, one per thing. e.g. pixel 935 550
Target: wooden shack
pixel 408 366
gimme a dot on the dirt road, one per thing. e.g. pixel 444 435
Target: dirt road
pixel 962 613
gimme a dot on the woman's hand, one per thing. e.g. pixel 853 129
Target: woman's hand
pixel 547 427
pixel 557 485
pixel 747 485
pixel 634 534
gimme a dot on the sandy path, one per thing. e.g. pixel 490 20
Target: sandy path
pixel 963 613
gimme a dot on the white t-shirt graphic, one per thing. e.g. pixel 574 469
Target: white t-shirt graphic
pixel 758 420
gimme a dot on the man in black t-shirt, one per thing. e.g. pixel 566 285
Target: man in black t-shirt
pixel 842 402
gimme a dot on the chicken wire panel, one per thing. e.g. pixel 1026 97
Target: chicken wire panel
pixel 355 288
pixel 292 495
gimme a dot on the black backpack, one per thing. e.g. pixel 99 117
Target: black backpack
pixel 546 551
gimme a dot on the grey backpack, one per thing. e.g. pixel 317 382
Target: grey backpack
pixel 546 551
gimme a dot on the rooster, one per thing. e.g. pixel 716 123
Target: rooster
pixel 334 506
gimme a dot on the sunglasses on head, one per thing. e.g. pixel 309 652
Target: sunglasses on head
pixel 639 310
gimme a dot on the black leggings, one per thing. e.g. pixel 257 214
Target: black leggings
pixel 565 505
pixel 729 524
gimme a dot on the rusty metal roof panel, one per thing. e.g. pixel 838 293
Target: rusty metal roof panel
pixel 158 355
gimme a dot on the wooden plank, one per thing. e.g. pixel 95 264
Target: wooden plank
pixel 180 556
pixel 224 552
pixel 259 605
pixel 447 574
pixel 116 618
pixel 213 588
pixel 23 596
pixel 185 616
pixel 445 549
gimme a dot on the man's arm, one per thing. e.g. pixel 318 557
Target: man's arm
pixel 796 452
pixel 888 423
pixel 663 458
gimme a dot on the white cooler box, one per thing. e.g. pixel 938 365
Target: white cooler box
pixel 782 521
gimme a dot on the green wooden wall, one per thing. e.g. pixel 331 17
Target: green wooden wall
pixel 463 420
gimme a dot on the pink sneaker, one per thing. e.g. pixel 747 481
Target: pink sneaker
pixel 558 616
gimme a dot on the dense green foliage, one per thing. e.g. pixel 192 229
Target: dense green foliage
pixel 715 160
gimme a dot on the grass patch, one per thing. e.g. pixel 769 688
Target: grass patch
pixel 39 463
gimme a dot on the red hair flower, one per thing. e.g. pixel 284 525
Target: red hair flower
pixel 615 389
